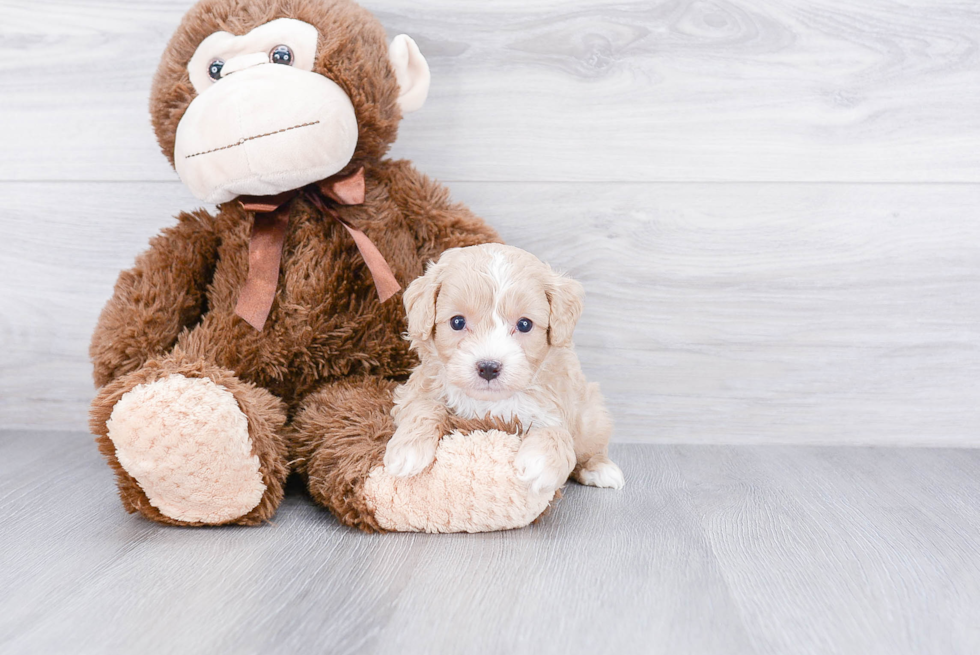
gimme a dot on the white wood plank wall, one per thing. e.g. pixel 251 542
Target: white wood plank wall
pixel 773 205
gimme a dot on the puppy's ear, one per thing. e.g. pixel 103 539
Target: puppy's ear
pixel 420 304
pixel 567 298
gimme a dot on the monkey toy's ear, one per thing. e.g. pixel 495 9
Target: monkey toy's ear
pixel 411 71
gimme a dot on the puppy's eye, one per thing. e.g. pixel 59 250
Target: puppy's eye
pixel 281 54
pixel 214 69
pixel 524 325
pixel 457 322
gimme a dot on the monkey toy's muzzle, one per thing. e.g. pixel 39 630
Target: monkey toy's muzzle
pixel 263 130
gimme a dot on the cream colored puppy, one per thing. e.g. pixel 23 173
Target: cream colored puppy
pixel 492 325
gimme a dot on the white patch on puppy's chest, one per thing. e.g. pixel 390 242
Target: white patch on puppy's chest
pixel 519 406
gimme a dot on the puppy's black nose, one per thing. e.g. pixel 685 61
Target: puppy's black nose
pixel 488 370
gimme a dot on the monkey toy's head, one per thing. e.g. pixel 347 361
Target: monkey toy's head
pixel 258 97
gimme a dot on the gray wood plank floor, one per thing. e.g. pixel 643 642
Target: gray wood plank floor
pixel 710 549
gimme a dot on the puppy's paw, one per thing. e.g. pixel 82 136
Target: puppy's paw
pixel 542 466
pixel 405 457
pixel 602 473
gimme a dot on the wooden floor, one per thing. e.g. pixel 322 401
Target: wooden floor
pixel 710 549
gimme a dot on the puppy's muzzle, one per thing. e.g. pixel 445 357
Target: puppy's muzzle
pixel 488 370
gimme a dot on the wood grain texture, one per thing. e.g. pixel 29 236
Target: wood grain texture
pixel 859 514
pixel 715 312
pixel 552 90
pixel 708 550
pixel 774 311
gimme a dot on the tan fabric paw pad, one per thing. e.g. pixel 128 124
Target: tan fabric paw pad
pixel 185 441
pixel 471 487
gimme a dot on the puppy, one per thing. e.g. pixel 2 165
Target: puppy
pixel 492 325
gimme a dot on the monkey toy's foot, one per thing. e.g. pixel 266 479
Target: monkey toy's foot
pixel 472 486
pixel 185 451
pixel 341 434
pixel 185 441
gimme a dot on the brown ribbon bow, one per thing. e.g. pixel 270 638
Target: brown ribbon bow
pixel 269 234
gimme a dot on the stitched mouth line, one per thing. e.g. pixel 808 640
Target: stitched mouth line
pixel 252 138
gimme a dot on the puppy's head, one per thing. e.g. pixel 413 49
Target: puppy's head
pixel 490 314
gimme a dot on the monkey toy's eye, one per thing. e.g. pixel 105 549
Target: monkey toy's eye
pixel 214 70
pixel 457 322
pixel 281 54
pixel 524 325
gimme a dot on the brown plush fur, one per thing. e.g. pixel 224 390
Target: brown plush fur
pixel 340 435
pixel 329 346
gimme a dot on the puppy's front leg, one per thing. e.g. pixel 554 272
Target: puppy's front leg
pixel 419 427
pixel 546 458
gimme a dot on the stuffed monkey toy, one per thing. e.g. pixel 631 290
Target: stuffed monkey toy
pixel 267 337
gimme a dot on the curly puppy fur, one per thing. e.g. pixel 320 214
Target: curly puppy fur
pixel 493 327
pixel 329 346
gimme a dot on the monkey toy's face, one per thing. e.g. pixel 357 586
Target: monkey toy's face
pixel 280 105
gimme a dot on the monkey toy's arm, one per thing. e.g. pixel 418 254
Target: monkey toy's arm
pixel 156 299
pixel 438 223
